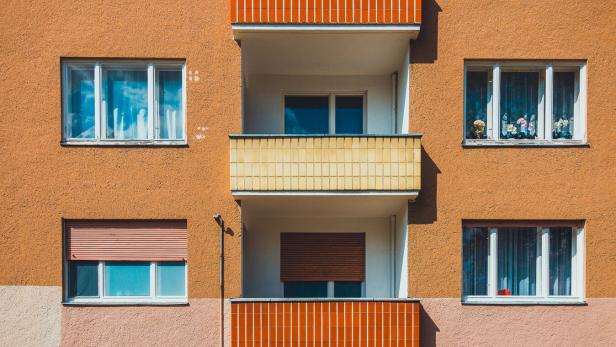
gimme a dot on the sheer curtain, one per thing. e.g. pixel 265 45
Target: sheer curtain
pixel 564 100
pixel 79 121
pixel 519 104
pixel 560 261
pixel 126 103
pixel 517 255
pixel 170 112
pixel 476 104
pixel 475 261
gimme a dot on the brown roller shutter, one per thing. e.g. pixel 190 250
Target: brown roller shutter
pixel 125 240
pixel 322 256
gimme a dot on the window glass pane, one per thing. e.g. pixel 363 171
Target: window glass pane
pixel 83 278
pixel 475 245
pixel 125 93
pixel 306 115
pixel 349 114
pixel 560 261
pixel 564 100
pixel 519 105
pixel 171 278
pixel 170 112
pixel 305 289
pixel 79 113
pixel 347 289
pixel 476 104
pixel 517 261
pixel 124 278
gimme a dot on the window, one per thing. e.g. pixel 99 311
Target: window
pixel 126 281
pixel 522 263
pixel 338 270
pixel 125 262
pixel 123 102
pixel 324 114
pixel 323 289
pixel 525 102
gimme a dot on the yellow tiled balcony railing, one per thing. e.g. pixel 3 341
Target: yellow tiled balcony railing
pixel 322 163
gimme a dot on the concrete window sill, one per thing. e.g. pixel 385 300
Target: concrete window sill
pixel 523 143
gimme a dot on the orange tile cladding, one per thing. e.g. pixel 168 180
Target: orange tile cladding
pixel 325 11
pixel 325 323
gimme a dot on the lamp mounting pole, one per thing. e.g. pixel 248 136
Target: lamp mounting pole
pixel 221 223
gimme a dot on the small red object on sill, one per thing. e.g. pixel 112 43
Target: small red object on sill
pixel 504 292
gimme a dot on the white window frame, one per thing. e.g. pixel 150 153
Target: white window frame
pixel 153 67
pixel 543 269
pixel 546 71
pixel 103 299
pixel 332 107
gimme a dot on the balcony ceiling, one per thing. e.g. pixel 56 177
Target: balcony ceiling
pixel 323 53
pixel 324 206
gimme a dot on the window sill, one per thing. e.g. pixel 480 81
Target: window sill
pixel 180 302
pixel 125 143
pixel 524 301
pixel 524 143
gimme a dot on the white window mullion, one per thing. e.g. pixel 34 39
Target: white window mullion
pixel 578 286
pixel 493 263
pixel 151 110
pixel 549 102
pixel 98 114
pixel 490 111
pixel 101 278
pixel 496 75
pixel 580 121
pixel 541 115
pixel 153 269
pixel 545 263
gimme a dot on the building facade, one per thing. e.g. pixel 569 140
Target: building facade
pixel 403 173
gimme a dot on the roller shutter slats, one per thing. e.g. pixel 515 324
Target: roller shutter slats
pixel 322 256
pixel 126 240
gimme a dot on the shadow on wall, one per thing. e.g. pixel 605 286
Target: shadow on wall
pixel 424 210
pixel 424 50
pixel 428 329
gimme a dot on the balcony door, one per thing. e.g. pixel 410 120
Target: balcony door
pixel 324 114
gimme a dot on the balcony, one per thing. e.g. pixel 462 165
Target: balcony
pixel 322 322
pixel 353 164
pixel 325 12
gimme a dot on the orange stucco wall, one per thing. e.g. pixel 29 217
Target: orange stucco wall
pixel 43 182
pixel 509 183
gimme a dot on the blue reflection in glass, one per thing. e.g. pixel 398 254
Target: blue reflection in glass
pixel 306 115
pixel 349 114
pixel 127 278
pixel 79 120
pixel 170 110
pixel 83 279
pixel 171 278
pixel 126 95
pixel 305 289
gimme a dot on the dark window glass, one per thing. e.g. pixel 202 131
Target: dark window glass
pixel 564 101
pixel 517 261
pixel 305 289
pixel 306 114
pixel 519 102
pixel 475 261
pixel 476 104
pixel 561 245
pixel 349 114
pixel 83 278
pixel 347 289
